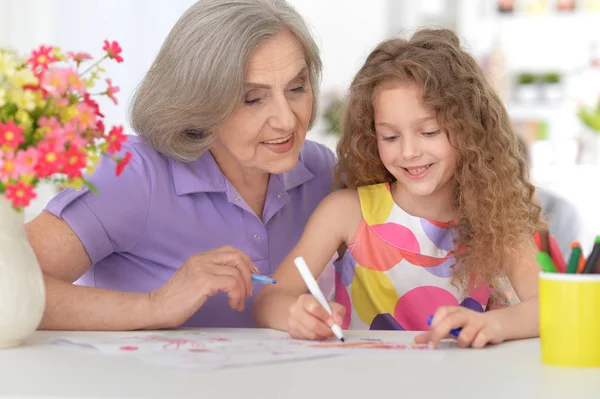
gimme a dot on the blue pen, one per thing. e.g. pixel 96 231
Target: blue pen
pixel 263 279
pixel 454 332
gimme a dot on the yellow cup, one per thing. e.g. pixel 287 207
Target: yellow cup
pixel 570 319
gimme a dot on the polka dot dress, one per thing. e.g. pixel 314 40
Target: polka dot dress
pixel 397 270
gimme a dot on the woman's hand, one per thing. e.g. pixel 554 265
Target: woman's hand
pixel 223 269
pixel 309 320
pixel 478 329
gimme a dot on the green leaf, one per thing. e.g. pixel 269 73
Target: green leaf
pixel 590 119
pixel 91 187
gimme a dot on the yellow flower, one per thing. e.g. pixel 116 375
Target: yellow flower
pixel 68 113
pixel 8 64
pixel 76 183
pixel 28 179
pixel 24 99
pixel 58 54
pixel 24 119
pixel 92 160
pixel 23 77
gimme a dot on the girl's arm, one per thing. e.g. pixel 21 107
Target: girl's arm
pixel 334 222
pixel 521 320
pixel 514 322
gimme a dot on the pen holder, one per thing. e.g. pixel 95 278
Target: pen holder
pixel 570 319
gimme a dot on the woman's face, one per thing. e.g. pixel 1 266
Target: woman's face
pixel 267 130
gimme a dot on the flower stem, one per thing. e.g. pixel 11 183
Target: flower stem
pixel 95 64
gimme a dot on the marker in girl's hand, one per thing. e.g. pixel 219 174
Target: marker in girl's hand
pixel 263 279
pixel 454 332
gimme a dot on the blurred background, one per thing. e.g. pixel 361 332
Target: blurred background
pixel 542 56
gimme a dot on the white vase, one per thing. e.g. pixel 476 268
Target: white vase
pixel 22 291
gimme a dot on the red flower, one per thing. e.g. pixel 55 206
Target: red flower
pixel 11 135
pixel 121 163
pixel 88 100
pixel 20 194
pixel 41 58
pixel 50 161
pixel 115 139
pixel 113 50
pixel 74 162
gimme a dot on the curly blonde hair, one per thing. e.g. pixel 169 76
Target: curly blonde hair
pixel 493 197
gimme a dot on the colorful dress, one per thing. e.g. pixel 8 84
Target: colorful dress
pixel 397 269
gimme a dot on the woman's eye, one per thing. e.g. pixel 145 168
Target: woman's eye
pixel 252 101
pixel 299 89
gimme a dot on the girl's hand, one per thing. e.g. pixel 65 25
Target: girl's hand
pixel 309 320
pixel 478 329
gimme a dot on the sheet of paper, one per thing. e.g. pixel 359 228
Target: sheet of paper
pixel 209 351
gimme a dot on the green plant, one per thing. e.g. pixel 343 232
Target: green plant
pixel 526 78
pixel 333 114
pixel 590 117
pixel 551 77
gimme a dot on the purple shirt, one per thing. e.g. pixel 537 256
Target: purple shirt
pixel 147 222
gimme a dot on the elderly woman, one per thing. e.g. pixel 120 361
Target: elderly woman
pixel 220 186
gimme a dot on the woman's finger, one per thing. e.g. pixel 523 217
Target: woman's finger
pixel 236 273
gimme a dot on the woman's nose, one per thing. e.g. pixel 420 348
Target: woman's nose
pixel 283 117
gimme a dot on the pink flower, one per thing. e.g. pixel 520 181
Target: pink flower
pixel 86 116
pixel 60 81
pixel 56 135
pixel 26 160
pixel 73 136
pixel 11 135
pixel 111 91
pixel 41 58
pixel 113 50
pixel 20 194
pixel 79 57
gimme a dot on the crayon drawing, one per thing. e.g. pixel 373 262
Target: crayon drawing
pixel 216 350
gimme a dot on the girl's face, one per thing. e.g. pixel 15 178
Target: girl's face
pixel 411 145
pixel 267 130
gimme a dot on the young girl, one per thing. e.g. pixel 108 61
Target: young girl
pixel 437 207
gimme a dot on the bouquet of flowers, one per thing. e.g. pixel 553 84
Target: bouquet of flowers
pixel 51 128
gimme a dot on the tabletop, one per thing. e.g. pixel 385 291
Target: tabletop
pixel 41 369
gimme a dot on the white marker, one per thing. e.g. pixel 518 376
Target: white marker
pixel 314 289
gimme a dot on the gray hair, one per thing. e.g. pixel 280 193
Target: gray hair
pixel 198 77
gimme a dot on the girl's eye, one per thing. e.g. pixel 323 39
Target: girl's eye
pixel 430 134
pixel 390 138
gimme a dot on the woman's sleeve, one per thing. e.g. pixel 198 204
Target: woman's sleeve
pixel 113 220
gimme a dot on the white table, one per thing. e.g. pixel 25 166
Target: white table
pixel 511 370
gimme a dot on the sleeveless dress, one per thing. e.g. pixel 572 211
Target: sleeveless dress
pixel 397 270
